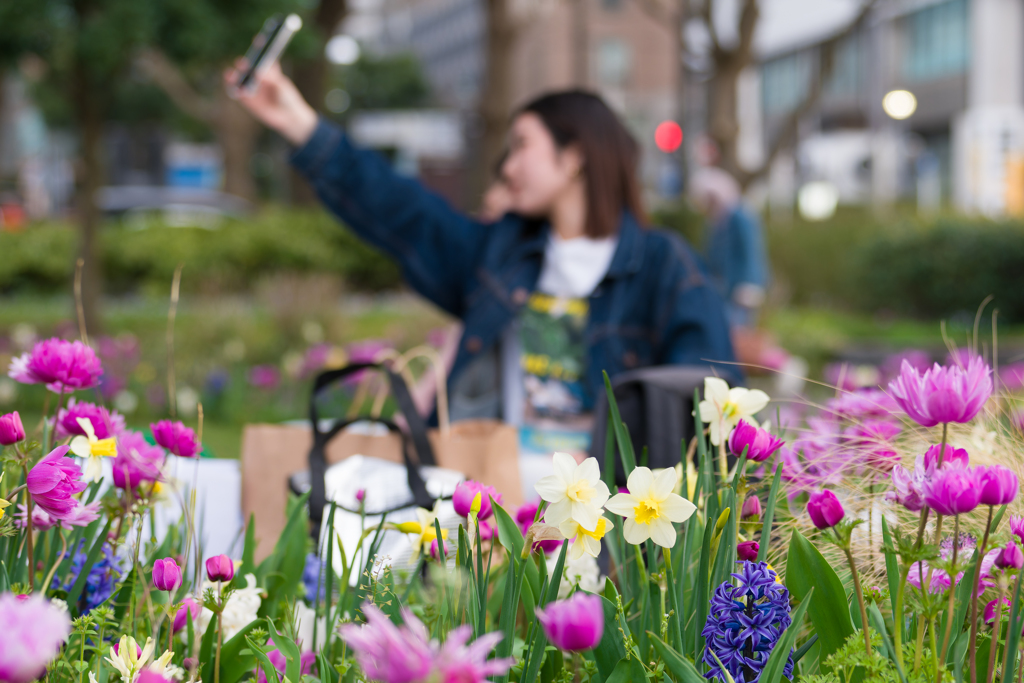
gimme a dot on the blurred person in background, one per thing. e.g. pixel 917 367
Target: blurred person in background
pixel 497 198
pixel 568 283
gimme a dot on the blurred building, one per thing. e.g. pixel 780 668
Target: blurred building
pixel 963 145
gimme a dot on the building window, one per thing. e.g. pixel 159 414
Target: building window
pixel 613 62
pixel 785 82
pixel 846 70
pixel 936 41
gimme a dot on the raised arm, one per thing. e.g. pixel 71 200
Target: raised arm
pixel 436 247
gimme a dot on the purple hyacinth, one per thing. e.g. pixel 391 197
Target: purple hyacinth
pixel 101 581
pixel 744 624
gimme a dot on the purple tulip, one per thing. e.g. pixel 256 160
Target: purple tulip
pixel 825 509
pixel 747 551
pixel 176 437
pixel 104 423
pixel 11 429
pixel 751 508
pixel 760 443
pixel 524 519
pixel 166 575
pixel 1010 557
pixel 53 483
pixel 998 485
pixel 943 393
pixel 220 568
pixel 462 500
pixel 137 460
pixel 34 631
pixel 952 491
pixel 1002 604
pixel 389 653
pixel 188 605
pixel 1017 527
pixel 61 365
pixel 575 624
pixel 954 457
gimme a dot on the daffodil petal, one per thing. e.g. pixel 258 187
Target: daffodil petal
pixel 81 447
pixel 565 466
pixel 752 401
pixel 677 509
pixel 588 470
pixel 716 390
pixel 551 488
pixel 635 533
pixel 557 513
pixel 601 494
pixel 569 528
pixel 586 515
pixel 664 483
pixel 622 504
pixel 663 533
pixel 640 481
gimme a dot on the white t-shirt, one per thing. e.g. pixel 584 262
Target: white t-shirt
pixel 573 268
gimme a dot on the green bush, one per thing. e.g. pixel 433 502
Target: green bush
pixel 231 258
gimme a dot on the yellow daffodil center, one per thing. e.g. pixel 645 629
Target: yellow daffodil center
pixel 647 511
pixel 730 410
pixel 103 448
pixel 777 579
pixel 580 491
pixel 598 532
pixel 3 504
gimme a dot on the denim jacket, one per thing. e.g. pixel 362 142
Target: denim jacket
pixel 655 306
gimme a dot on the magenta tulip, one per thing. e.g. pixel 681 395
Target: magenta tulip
pixel 943 393
pixel 176 438
pixel 11 429
pixel 63 366
pixel 53 483
pixel 1017 527
pixel 751 508
pixel 389 653
pixel 166 575
pixel 1002 604
pixel 462 500
pixel 1010 557
pixel 954 457
pixel 137 460
pixel 188 606
pixel 747 551
pixel 575 624
pixel 148 676
pixel 524 520
pixel 105 423
pixel 760 443
pixel 220 568
pixel 34 632
pixel 952 491
pixel 998 485
pixel 825 509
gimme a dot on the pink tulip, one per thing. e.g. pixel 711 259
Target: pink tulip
pixel 389 653
pixel 954 457
pixel 747 551
pixel 61 365
pixel 952 491
pixel 137 460
pixel 751 508
pixel 148 676
pixel 105 423
pixel 188 605
pixel 943 394
pixel 166 575
pixel 220 568
pixel 34 631
pixel 1010 557
pixel 1017 527
pixel 524 519
pixel 53 483
pixel 998 485
pixel 1002 604
pixel 575 624
pixel 176 438
pixel 11 429
pixel 760 443
pixel 462 499
pixel 458 663
pixel 825 509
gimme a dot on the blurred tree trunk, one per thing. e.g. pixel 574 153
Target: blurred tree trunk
pixel 496 95
pixel 236 129
pixel 729 62
pixel 580 44
pixel 90 178
pixel 310 78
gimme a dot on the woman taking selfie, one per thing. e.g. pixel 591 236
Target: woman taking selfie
pixel 566 285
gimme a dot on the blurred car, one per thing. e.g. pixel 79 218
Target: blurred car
pixel 142 206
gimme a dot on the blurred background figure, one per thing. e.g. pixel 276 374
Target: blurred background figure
pixel 734 245
pixel 497 199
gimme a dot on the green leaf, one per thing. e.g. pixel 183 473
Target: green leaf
pixel 285 575
pixel 234 664
pixel 769 515
pixel 621 431
pixel 248 565
pixel 269 670
pixel 1013 634
pixel 90 560
pixel 287 647
pixel 772 672
pixel 621 673
pixel 610 650
pixel 830 612
pixel 682 668
pixel 508 531
pixel 703 576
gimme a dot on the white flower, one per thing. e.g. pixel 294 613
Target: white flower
pixel 582 573
pixel 575 492
pixel 92 449
pixel 588 542
pixel 127 660
pixel 651 507
pixel 723 407
pixel 240 610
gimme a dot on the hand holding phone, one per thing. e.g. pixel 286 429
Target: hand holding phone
pixel 266 48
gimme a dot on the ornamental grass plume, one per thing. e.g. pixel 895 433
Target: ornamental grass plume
pixel 176 438
pixel 389 653
pixel 576 624
pixel 744 624
pixel 34 631
pixel 63 366
pixel 943 394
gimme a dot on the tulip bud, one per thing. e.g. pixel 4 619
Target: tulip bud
pixel 467 491
pixel 998 485
pixel 751 508
pixel 759 443
pixel 1010 557
pixel 220 568
pixel 361 495
pixel 11 429
pixel 575 624
pixel 825 509
pixel 747 552
pixel 166 575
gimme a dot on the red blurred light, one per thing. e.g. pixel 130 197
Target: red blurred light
pixel 668 136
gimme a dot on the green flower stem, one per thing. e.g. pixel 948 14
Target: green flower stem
pixel 860 599
pixel 220 634
pixel 897 619
pixel 935 648
pixel 995 638
pixel 952 599
pixel 974 600
pixel 920 643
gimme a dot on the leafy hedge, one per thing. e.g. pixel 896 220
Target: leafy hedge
pixel 230 258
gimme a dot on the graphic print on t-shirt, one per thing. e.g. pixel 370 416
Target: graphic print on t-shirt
pixel 554 353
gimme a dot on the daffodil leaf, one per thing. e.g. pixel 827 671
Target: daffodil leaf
pixel 830 613
pixel 508 531
pixel 772 672
pixel 682 668
pixel 268 668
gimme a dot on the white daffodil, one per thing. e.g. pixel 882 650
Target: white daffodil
pixel 92 449
pixel 588 542
pixel 722 407
pixel 575 492
pixel 128 660
pixel 651 507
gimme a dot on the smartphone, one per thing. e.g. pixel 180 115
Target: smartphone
pixel 266 47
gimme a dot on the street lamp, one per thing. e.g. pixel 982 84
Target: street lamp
pixel 899 104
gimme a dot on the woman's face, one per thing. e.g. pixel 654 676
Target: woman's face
pixel 536 171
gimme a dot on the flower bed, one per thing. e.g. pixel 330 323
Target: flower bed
pixel 841 524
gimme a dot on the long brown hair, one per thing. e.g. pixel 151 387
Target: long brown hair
pixel 610 154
